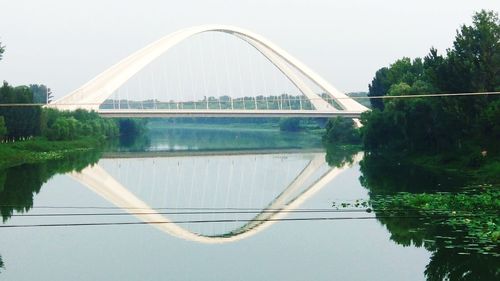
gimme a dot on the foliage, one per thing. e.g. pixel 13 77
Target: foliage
pixel 66 125
pixel 39 149
pixel 465 126
pixel 19 184
pixel 341 130
pixel 222 136
pixel 20 94
pixel 340 155
pixel 2 50
pixel 458 225
pixel 295 124
pixel 403 71
pixel 132 126
pixel 41 93
pixel 471 210
pixel 132 132
pixel 3 129
pixel 388 173
pixel 290 124
pixel 208 121
pixel 21 121
pixel 460 230
pixel 379 87
pixel 473 64
pixel 31 121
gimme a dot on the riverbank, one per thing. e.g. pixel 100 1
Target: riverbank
pixel 38 150
pixel 237 125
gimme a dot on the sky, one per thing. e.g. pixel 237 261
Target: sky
pixel 63 44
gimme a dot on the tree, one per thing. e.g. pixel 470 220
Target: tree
pixel 3 129
pixel 21 121
pixel 2 50
pixel 41 93
pixel 434 69
pixel 341 130
pixel 472 65
pixel 441 125
pixel 131 127
pixel 491 126
pixel 474 59
pixel 379 87
pixel 401 71
pixel 290 124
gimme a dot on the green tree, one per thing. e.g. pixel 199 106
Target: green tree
pixel 21 121
pixel 41 93
pixel 441 125
pixel 3 129
pixel 490 132
pixel 401 71
pixel 290 124
pixel 2 50
pixel 341 130
pixel 473 63
pixel 379 87
pixel 130 127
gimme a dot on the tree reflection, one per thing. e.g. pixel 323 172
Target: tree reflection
pixel 232 138
pixel 339 155
pixel 129 143
pixel 386 174
pixel 19 184
pixel 455 254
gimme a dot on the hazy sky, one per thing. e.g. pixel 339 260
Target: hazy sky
pixel 65 43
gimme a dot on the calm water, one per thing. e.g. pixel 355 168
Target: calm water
pixel 228 211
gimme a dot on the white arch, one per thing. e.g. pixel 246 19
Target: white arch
pixel 97 90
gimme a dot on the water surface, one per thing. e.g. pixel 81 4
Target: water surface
pixel 234 214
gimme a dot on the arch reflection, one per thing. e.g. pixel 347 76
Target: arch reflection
pixel 312 177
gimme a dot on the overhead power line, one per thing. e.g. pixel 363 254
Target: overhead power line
pixel 226 221
pixel 427 95
pixel 360 210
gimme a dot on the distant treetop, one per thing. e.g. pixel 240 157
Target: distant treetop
pixel 2 49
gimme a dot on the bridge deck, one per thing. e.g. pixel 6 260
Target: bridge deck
pixel 155 113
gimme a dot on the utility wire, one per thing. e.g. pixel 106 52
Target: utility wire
pixel 222 221
pixel 189 213
pixel 243 211
pixel 216 209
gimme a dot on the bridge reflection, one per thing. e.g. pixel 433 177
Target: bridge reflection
pixel 297 177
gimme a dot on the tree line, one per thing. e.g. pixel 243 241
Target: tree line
pixel 22 121
pixel 22 117
pixel 460 126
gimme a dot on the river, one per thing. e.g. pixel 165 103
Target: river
pixel 209 203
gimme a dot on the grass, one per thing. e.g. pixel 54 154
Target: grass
pixel 40 149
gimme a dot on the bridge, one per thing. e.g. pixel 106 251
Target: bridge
pixel 95 94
